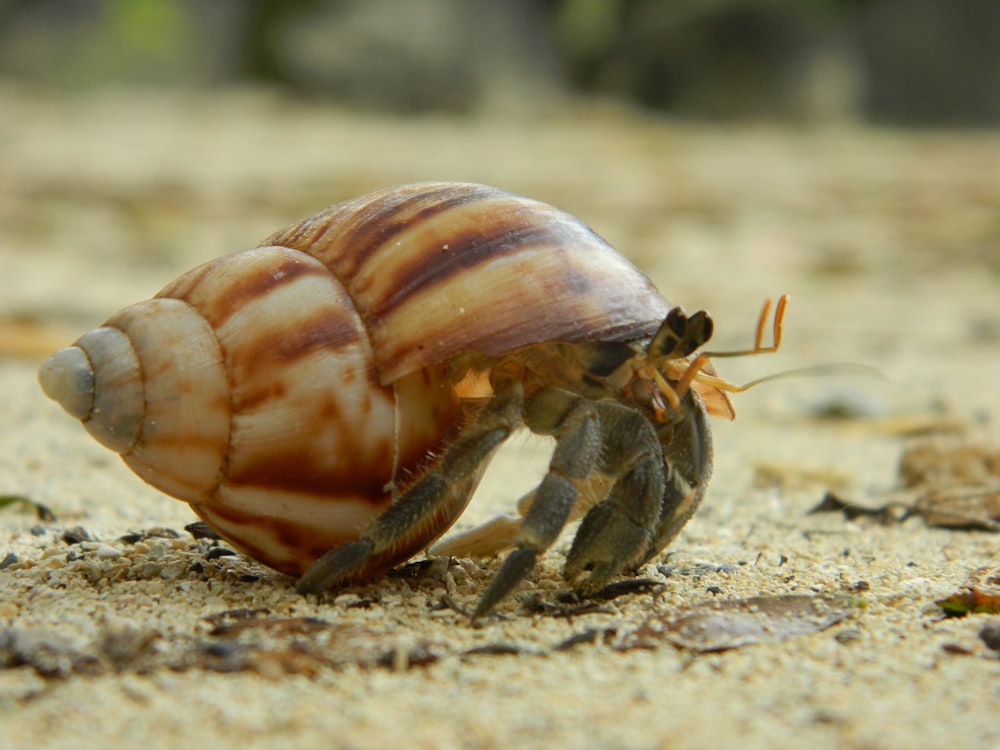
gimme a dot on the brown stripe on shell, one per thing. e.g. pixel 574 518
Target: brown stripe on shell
pixel 418 262
pixel 308 413
pixel 257 358
pixel 506 289
pixel 183 443
pixel 290 531
pixel 345 236
pixel 286 544
pixel 289 510
pixel 301 423
pixel 296 468
pixel 380 229
pixel 471 245
pixel 326 366
pixel 221 288
pixel 287 306
pixel 343 440
pixel 263 351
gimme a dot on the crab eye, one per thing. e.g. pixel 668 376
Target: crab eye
pixel 699 331
pixel 677 322
pixel 680 335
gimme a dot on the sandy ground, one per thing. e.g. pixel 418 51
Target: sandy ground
pixel 887 242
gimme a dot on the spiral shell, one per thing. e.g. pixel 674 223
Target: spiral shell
pixel 287 392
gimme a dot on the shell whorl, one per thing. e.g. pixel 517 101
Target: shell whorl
pixel 440 268
pixel 247 388
pixel 149 385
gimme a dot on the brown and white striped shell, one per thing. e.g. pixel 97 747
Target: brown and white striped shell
pixel 287 392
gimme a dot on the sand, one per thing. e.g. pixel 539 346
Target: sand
pixel 888 244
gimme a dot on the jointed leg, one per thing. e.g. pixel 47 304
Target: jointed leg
pixel 641 513
pixel 688 460
pixel 619 529
pixel 574 423
pixel 430 496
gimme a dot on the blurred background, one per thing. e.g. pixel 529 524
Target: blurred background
pixel 842 151
pixel 903 62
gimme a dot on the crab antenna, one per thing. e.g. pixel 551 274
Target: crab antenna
pixel 831 368
pixel 695 369
pixel 762 318
pixel 779 314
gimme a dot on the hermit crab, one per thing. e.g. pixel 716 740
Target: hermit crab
pixel 328 401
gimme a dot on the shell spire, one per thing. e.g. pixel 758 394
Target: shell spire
pixel 67 377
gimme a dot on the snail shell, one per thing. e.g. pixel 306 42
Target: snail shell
pixel 290 391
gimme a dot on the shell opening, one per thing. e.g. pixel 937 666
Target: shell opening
pixel 67 377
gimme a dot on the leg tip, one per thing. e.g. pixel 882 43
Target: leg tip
pixel 334 567
pixel 515 569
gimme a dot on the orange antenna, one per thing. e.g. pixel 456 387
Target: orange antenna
pixel 779 315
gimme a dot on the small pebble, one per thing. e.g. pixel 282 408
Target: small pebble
pixel 151 569
pixel 75 535
pixel 107 552
pixel 990 635
pixel 171 573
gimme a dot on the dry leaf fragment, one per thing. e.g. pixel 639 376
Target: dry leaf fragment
pixel 727 624
pixel 889 513
pixel 955 508
pixel 938 463
pixel 980 594
pixel 961 508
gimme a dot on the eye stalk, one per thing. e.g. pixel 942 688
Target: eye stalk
pixel 680 335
